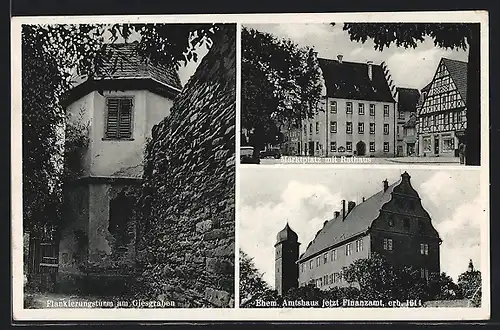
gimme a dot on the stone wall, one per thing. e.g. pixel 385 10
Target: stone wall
pixel 186 209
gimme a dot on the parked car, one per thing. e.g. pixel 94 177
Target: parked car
pixel 247 156
pixel 270 152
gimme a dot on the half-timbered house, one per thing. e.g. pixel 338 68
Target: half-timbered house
pixel 442 117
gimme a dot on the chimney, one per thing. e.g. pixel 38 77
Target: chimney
pixel 343 209
pixel 386 185
pixel 370 69
pixel 336 214
pixel 350 206
pixel 339 58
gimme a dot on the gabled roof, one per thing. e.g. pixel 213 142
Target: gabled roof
pixel 358 221
pixel 412 122
pixel 349 80
pixel 125 62
pixel 407 98
pixel 426 87
pixel 458 72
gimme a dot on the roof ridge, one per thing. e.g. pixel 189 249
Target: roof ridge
pixel 453 60
pixel 346 62
pixel 325 228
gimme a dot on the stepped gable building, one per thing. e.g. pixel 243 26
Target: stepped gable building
pixel 392 222
pixel 287 253
pixel 356 115
pixel 120 104
pixel 406 135
pixel 442 115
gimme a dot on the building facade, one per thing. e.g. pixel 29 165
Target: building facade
pixel 442 117
pixel 120 106
pixel 392 223
pixel 407 99
pixel 356 115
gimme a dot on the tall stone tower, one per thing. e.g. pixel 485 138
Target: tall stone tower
pixel 286 270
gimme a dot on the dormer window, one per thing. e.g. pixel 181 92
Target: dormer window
pixel 119 118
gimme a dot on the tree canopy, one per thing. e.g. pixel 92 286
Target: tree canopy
pixel 252 286
pixel 372 279
pixel 51 56
pixel 281 84
pixel 445 35
pixel 469 283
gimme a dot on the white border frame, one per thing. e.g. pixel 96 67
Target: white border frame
pixel 212 314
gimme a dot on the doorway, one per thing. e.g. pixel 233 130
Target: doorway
pixel 436 146
pixel 311 148
pixel 360 148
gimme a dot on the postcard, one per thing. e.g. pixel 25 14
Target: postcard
pixel 251 167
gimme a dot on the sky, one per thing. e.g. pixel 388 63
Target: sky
pixel 412 68
pixel 306 197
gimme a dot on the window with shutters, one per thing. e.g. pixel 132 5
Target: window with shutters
pixel 119 118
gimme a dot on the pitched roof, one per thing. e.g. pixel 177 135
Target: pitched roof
pixel 357 221
pixel 125 62
pixel 349 80
pixel 412 122
pixel 426 87
pixel 458 72
pixel 407 98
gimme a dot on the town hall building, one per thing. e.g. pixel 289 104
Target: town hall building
pixel 392 223
pixel 356 114
pixel 120 104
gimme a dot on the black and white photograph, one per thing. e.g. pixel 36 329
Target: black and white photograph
pixel 327 237
pixel 250 167
pixel 128 165
pixel 369 93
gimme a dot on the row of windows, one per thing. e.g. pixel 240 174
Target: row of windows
pixel 448 144
pixel 333 146
pixel 338 277
pixel 391 221
pixel 327 279
pixel 388 245
pixel 447 118
pixel 332 255
pixel 361 128
pixel 361 108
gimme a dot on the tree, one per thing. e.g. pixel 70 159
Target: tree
pixel 445 35
pixel 252 286
pixel 280 84
pixel 442 287
pixel 310 293
pixel 52 55
pixel 379 279
pixel 469 283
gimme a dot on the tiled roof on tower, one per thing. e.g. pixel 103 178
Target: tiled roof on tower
pixel 286 234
